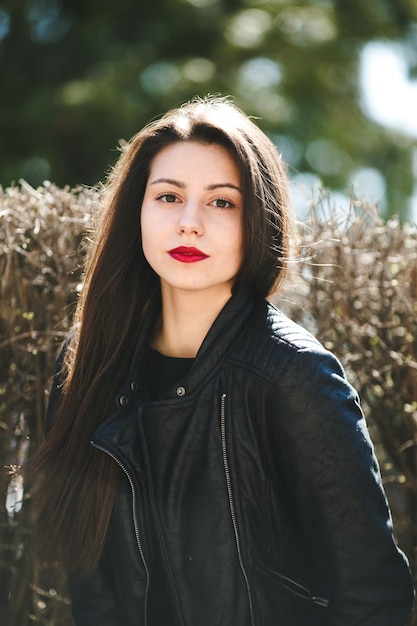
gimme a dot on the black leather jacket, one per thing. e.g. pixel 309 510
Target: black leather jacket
pixel 256 477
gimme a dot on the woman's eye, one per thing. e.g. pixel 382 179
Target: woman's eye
pixel 168 197
pixel 222 203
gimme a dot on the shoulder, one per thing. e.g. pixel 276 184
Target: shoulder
pixel 272 343
pixel 281 330
pixel 296 366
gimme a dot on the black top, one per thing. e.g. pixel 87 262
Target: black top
pixel 163 372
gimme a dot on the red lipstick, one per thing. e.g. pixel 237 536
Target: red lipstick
pixel 187 254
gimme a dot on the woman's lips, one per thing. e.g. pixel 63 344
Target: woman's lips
pixel 187 254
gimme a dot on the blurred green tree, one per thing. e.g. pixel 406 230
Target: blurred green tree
pixel 78 76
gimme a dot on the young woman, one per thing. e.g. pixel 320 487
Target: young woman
pixel 207 463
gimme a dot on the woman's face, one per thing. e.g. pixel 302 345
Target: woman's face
pixel 191 218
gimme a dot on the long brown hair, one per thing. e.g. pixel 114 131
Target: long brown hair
pixel 76 484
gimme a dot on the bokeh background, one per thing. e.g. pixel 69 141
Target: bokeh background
pixel 333 82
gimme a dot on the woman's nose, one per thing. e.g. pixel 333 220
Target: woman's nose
pixel 189 220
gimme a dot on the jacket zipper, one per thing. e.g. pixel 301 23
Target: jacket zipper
pixel 135 523
pixel 231 503
pixel 294 587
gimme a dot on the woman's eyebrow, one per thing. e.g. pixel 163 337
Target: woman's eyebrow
pixel 181 185
pixel 217 185
pixel 170 181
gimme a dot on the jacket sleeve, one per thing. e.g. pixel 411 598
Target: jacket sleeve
pixel 92 600
pixel 333 475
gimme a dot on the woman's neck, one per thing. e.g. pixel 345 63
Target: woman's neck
pixel 186 319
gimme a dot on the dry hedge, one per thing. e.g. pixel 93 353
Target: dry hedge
pixel 354 285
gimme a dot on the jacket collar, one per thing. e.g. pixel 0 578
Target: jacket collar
pixel 117 434
pixel 224 332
